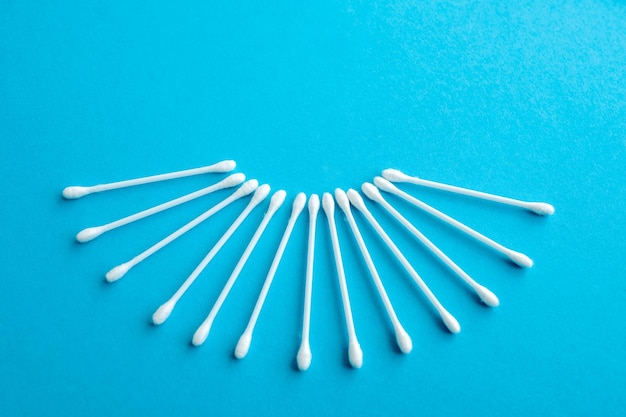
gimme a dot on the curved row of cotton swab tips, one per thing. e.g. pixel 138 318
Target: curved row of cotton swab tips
pixel 345 201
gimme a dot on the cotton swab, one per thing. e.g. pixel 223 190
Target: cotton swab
pixel 203 330
pixel 485 295
pixel 164 311
pixel 91 233
pixel 119 271
pixel 304 353
pixel 451 323
pixel 355 354
pixel 76 191
pixel 542 209
pixel 516 257
pixel 402 337
pixel 243 345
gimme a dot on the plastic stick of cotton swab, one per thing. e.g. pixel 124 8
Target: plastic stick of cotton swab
pixel 243 345
pixel 402 337
pixel 485 295
pixel 120 270
pixel 451 323
pixel 304 353
pixel 516 257
pixel 91 233
pixel 164 311
pixel 74 192
pixel 542 209
pixel 203 331
pixel 355 354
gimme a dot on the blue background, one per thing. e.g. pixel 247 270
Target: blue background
pixel 526 99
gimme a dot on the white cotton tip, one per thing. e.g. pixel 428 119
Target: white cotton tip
pixel 201 334
pixel 298 204
pixel 355 354
pixel 451 323
pixel 304 357
pixel 328 203
pixel 396 175
pixel 277 200
pixel 372 192
pixel 89 233
pixel 243 345
pixel 260 194
pixel 163 313
pixel 232 180
pixel 356 199
pixel 542 209
pixel 117 272
pixel 74 192
pixel 487 296
pixel 520 259
pixel 385 185
pixel 342 200
pixel 404 340
pixel 224 166
pixel 314 204
pixel 247 188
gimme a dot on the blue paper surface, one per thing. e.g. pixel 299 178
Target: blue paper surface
pixel 524 99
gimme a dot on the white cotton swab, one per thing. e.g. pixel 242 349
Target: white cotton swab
pixel 304 353
pixel 516 257
pixel 451 323
pixel 164 311
pixel 91 233
pixel 76 191
pixel 203 330
pixel 543 209
pixel 243 345
pixel 355 354
pixel 119 271
pixel 402 337
pixel 485 294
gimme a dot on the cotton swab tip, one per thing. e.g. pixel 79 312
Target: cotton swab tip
pixel 74 192
pixel 314 204
pixel 520 259
pixel 243 345
pixel 404 340
pixel 298 204
pixel 328 203
pixel 260 194
pixel 224 166
pixel 304 357
pixel 247 188
pixel 355 354
pixel 201 334
pixel 451 323
pixel 542 209
pixel 277 200
pixel 371 192
pixel 487 296
pixel 233 180
pixel 88 234
pixel 163 313
pixel 117 272
pixel 396 175
pixel 356 199
pixel 342 199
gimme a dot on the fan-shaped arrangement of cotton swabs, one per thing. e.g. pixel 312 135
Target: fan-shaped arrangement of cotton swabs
pixel 345 201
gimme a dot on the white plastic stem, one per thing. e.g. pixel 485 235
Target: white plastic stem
pixel 165 309
pixel 91 233
pixel 304 355
pixel 404 341
pixel 246 338
pixel 203 330
pixel 80 191
pixel 516 257
pixel 395 175
pixel 449 320
pixel 485 294
pixel 354 349
pixel 120 270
